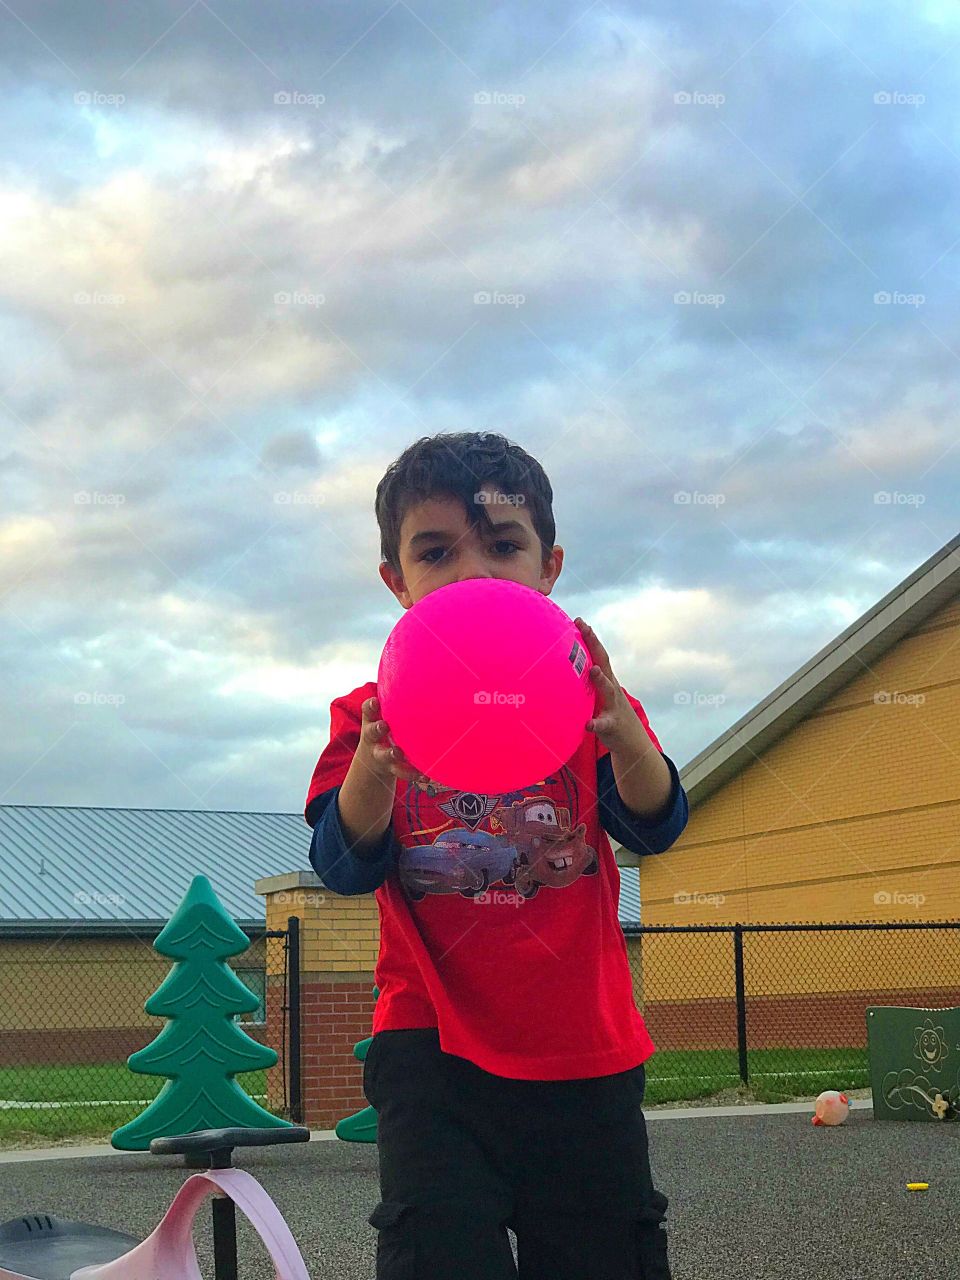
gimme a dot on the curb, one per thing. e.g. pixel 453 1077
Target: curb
pixel 328 1135
pixel 105 1149
pixel 754 1109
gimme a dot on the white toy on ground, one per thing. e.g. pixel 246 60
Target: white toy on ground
pixel 831 1108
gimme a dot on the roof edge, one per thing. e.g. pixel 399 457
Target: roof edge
pixel 924 591
pixel 100 928
pixel 288 880
pixel 146 808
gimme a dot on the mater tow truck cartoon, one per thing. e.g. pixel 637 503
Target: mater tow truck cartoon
pixel 549 851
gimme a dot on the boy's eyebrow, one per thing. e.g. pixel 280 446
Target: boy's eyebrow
pixel 430 535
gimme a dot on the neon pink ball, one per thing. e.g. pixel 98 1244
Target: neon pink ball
pixel 485 685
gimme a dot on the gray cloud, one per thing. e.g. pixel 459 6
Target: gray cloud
pixel 222 317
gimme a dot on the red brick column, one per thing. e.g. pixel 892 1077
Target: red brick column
pixel 340 937
pixel 336 1015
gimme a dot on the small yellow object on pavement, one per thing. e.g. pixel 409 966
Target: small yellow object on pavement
pixel 917 1186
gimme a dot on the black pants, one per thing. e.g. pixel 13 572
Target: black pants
pixel 465 1154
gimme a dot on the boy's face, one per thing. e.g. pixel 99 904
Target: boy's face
pixel 456 549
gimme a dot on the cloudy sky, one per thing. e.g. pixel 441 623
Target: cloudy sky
pixel 240 251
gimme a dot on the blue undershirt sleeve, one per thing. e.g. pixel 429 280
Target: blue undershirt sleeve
pixel 333 859
pixel 640 835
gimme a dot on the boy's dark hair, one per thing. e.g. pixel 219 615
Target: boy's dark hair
pixel 456 464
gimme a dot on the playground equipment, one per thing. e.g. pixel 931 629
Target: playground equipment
pixel 202 1047
pixel 913 1071
pixel 40 1246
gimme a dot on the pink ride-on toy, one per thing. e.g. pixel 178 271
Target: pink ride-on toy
pixel 39 1246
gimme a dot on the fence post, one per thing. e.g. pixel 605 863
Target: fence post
pixel 741 1003
pixel 293 972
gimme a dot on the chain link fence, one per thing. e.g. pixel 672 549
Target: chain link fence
pixel 72 1013
pixel 779 1008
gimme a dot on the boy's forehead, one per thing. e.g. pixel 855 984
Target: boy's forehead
pixel 445 511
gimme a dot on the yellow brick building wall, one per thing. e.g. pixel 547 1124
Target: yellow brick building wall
pixel 76 982
pixel 860 799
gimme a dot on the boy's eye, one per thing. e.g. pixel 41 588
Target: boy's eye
pixel 502 543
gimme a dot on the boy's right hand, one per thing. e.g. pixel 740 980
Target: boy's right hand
pixel 386 760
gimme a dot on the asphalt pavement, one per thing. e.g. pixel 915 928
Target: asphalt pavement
pixel 764 1196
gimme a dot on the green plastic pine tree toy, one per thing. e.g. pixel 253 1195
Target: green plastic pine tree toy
pixel 361 1127
pixel 202 1047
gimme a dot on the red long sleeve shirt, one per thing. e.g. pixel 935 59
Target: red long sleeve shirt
pixel 498 913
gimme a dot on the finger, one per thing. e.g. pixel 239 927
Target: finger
pixel 374 731
pixel 605 667
pixel 400 766
pixel 387 756
pixel 603 686
pixel 370 710
pixel 590 635
pixel 589 639
pixel 598 653
pixel 403 769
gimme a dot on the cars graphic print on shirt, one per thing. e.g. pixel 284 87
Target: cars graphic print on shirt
pixel 532 845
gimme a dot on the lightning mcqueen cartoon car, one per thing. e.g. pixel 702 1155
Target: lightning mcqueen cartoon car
pixel 459 861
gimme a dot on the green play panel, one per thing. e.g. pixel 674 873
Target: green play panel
pixel 914 1057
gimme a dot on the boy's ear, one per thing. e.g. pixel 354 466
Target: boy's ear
pixel 396 584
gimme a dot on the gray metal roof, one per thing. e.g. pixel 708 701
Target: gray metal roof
pixel 132 866
pixel 629 907
pixel 114 869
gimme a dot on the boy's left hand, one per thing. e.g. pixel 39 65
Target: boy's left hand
pixel 615 722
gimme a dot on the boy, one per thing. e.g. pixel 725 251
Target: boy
pixel 506 1066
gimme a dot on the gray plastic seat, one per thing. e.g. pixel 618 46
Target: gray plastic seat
pixel 45 1247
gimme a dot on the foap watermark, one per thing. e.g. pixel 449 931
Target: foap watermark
pixel 295 98
pixel 894 498
pixel 86 898
pixel 500 499
pixel 298 498
pixel 697 698
pixel 300 898
pixel 496 98
pixel 894 298
pixel 694 498
pixel 696 298
pixel 897 98
pixel 894 898
pixel 498 898
pixel 297 298
pixel 696 98
pixel 488 298
pixel 93 698
pixel 84 299
pixel 94 498
pixel 895 698
pixel 488 698
pixel 94 98
pixel 684 899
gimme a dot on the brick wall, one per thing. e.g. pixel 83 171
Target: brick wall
pixel 339 941
pixel 851 816
pixel 798 1022
pixel 336 1016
